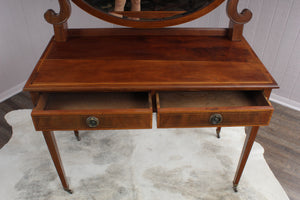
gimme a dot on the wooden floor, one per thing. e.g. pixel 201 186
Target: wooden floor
pixel 281 140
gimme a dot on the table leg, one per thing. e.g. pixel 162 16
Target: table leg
pixel 77 135
pixel 218 130
pixel 53 149
pixel 244 156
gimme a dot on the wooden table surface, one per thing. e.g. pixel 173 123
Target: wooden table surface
pixel 142 63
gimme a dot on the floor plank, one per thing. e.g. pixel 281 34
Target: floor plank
pixel 281 141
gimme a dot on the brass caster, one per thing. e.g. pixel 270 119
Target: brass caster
pixel 234 187
pixel 77 135
pixel 218 130
pixel 68 190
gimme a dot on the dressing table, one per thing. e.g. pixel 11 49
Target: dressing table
pixel 115 78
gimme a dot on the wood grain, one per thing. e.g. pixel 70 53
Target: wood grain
pixel 63 75
pixel 93 101
pixel 149 62
pixel 208 99
pixel 245 153
pixel 237 20
pixel 194 109
pixel 163 46
pixel 54 152
pixel 77 121
pixel 59 20
pixel 113 110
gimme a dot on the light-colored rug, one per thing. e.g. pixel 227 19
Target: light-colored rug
pixel 157 164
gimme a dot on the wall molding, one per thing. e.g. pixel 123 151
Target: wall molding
pixel 285 102
pixel 12 91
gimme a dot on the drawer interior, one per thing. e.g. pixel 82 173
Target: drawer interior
pixel 211 99
pixel 96 101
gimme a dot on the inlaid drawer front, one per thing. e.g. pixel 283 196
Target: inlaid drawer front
pixel 84 111
pixel 212 109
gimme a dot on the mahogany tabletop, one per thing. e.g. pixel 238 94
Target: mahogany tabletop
pixel 148 62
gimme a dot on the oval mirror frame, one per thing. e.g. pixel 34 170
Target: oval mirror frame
pixel 147 24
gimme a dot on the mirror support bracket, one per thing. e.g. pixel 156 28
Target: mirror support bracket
pixel 237 20
pixel 59 20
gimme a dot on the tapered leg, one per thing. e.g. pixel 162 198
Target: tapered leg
pixel 218 130
pixel 53 149
pixel 244 156
pixel 77 135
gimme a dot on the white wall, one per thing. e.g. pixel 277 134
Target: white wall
pixel 274 33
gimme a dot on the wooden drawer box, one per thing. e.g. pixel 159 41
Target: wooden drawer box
pixel 212 109
pixel 88 111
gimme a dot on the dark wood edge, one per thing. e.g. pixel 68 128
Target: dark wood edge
pixel 259 95
pixel 211 126
pixel 270 116
pixel 146 24
pixel 253 52
pixel 42 102
pixel 150 100
pixel 267 93
pixel 38 112
pixel 266 98
pixel 34 97
pixel 41 60
pixel 148 32
pixel 150 106
pixel 216 109
pixel 39 108
pixel 88 129
pixel 157 101
pixel 146 87
pixel 157 110
pixel 153 96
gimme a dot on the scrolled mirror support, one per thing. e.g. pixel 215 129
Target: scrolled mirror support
pixel 237 20
pixel 59 20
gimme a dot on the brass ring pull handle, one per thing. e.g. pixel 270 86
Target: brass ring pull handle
pixel 216 119
pixel 92 122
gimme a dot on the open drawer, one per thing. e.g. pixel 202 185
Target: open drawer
pixel 84 111
pixel 212 109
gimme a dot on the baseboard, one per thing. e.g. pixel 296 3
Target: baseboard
pixel 11 92
pixel 285 102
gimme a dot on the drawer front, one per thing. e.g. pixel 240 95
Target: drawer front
pixel 93 111
pixel 204 119
pixel 83 121
pixel 212 109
